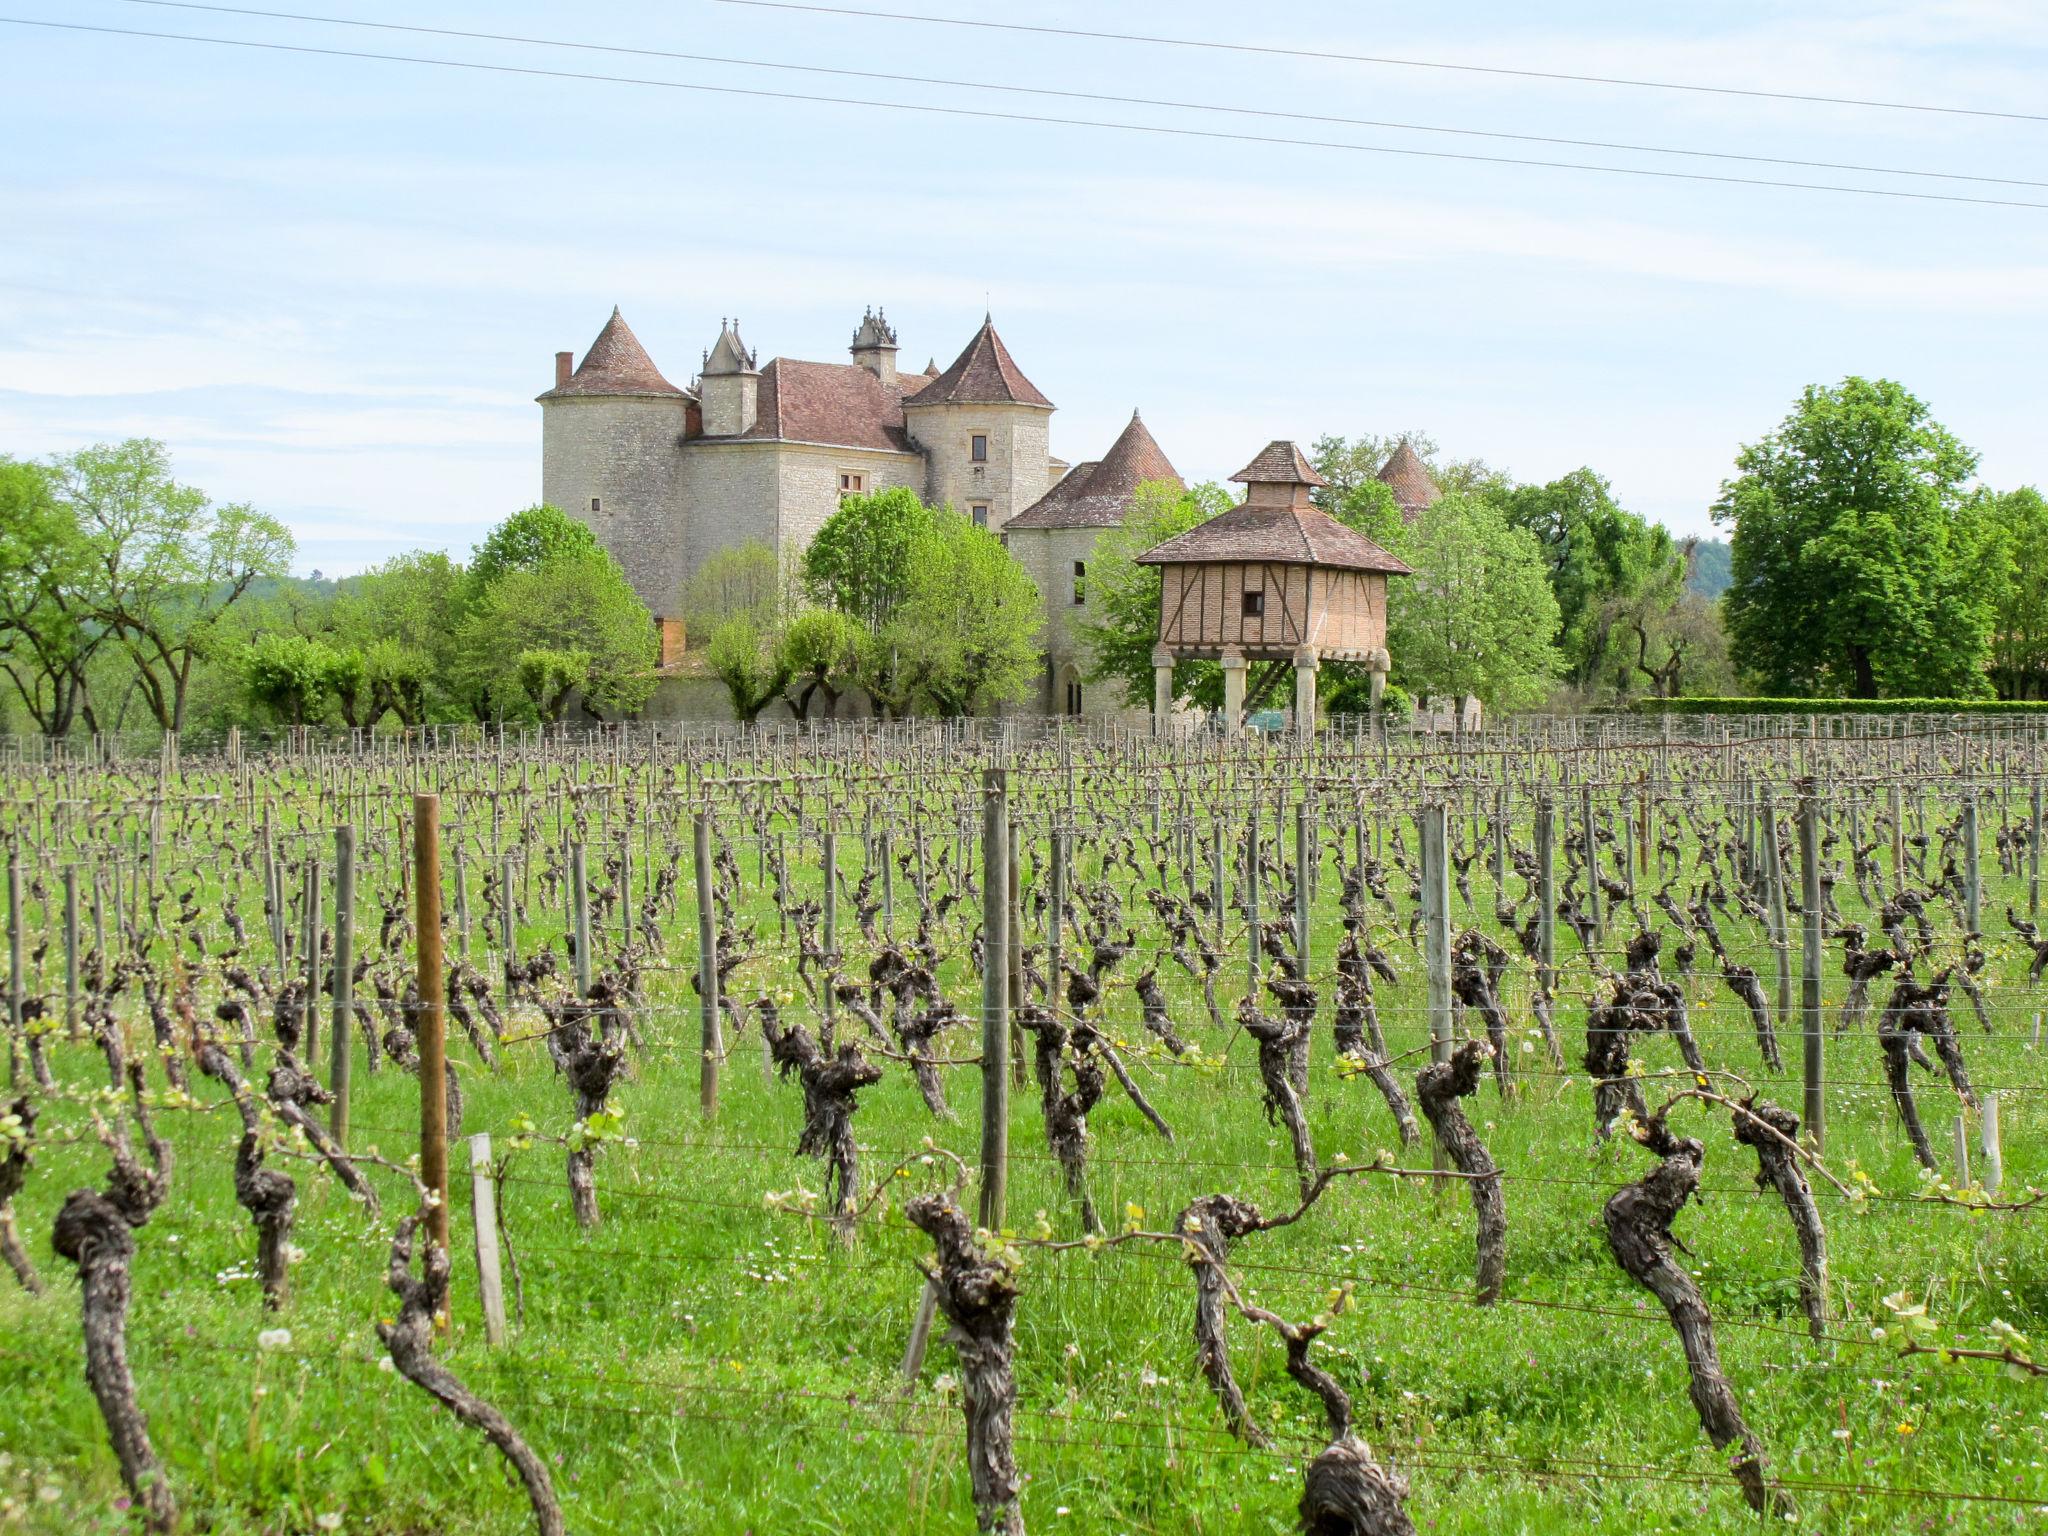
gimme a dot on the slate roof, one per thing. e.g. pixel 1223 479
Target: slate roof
pixel 616 364
pixel 1099 494
pixel 984 374
pixel 1282 535
pixel 1279 463
pixel 1408 478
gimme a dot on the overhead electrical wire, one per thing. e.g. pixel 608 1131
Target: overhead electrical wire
pixel 1325 56
pixel 1158 130
pixel 1222 109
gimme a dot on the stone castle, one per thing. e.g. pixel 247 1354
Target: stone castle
pixel 667 476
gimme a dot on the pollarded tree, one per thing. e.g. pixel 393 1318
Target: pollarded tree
pixel 749 661
pixel 47 632
pixel 1478 616
pixel 167 563
pixel 1855 557
pixel 821 650
pixel 403 619
pixel 1122 618
pixel 291 675
pixel 966 633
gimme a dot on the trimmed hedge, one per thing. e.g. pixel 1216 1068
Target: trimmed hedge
pixel 1838 706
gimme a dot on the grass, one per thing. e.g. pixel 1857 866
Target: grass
pixel 701 1362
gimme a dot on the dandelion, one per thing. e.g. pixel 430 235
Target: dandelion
pixel 274 1338
pixel 329 1521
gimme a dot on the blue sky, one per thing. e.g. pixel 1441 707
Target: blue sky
pixel 335 285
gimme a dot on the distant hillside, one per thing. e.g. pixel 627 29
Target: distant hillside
pixel 1711 574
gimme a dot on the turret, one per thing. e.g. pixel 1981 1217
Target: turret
pixel 730 386
pixel 874 346
pixel 984 430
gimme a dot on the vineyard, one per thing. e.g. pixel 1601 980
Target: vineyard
pixel 1584 1123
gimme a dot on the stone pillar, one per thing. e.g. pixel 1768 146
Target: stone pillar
pixel 1162 689
pixel 1233 689
pixel 1306 662
pixel 1377 665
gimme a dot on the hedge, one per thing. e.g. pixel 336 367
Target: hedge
pixel 1838 706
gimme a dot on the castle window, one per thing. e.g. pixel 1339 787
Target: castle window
pixel 977 448
pixel 852 482
pixel 1080 582
pixel 594 505
pixel 980 516
pixel 1254 605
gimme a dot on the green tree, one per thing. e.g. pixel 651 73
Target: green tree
pixel 1478 616
pixel 572 616
pixel 403 620
pixel 292 676
pixel 1853 551
pixel 47 632
pixel 749 661
pixel 739 581
pixel 167 563
pixel 862 560
pixel 2018 526
pixel 1121 626
pixel 1603 562
pixel 525 541
pixel 965 636
pixel 821 654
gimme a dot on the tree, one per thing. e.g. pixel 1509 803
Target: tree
pixel 1603 562
pixel 749 660
pixel 1352 467
pixel 1853 552
pixel 2018 521
pixel 403 620
pixel 861 561
pixel 525 541
pixel 965 636
pixel 291 675
pixel 533 637
pixel 166 562
pixel 1478 615
pixel 1121 625
pixel 821 654
pixel 47 634
pixel 740 581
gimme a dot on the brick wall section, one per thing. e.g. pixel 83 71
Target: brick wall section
pixel 621 449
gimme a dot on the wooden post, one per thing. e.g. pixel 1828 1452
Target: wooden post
pixel 14 982
pixel 309 929
pixel 1304 853
pixel 1546 894
pixel 483 1214
pixel 2034 855
pixel 831 916
pixel 508 914
pixel 433 1023
pixel 1973 885
pixel 1251 904
pixel 579 908
pixel 1013 954
pixel 1780 924
pixel 71 951
pixel 1056 921
pixel 707 973
pixel 1592 838
pixel 995 1023
pixel 1811 1033
pixel 1433 823
pixel 340 1027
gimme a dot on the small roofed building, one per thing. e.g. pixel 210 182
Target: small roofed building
pixel 1054 539
pixel 1274 580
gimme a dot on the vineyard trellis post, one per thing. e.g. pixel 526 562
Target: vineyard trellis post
pixel 579 909
pixel 2034 854
pixel 707 972
pixel 483 1210
pixel 339 1057
pixel 1812 1036
pixel 309 930
pixel 71 951
pixel 995 977
pixel 1973 891
pixel 1013 951
pixel 1546 894
pixel 1774 896
pixel 1304 858
pixel 433 1019
pixel 14 987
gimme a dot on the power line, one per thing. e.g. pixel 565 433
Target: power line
pixel 1043 119
pixel 1098 96
pixel 1322 56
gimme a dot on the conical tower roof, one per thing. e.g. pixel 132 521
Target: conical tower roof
pixel 1280 462
pixel 1409 479
pixel 984 374
pixel 1099 495
pixel 616 364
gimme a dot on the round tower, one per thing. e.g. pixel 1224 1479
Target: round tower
pixel 986 433
pixel 611 435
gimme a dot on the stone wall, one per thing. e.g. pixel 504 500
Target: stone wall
pixel 1018 470
pixel 621 450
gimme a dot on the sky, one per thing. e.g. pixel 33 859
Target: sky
pixel 333 285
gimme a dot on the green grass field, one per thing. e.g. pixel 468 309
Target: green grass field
pixel 702 1362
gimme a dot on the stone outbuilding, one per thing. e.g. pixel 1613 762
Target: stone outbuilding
pixel 1054 539
pixel 1274 580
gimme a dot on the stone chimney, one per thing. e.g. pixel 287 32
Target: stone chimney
pixel 565 368
pixel 874 346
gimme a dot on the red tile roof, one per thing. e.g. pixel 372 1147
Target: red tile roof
pixel 984 374
pixel 1283 535
pixel 1409 479
pixel 840 404
pixel 1279 463
pixel 616 364
pixel 1099 495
